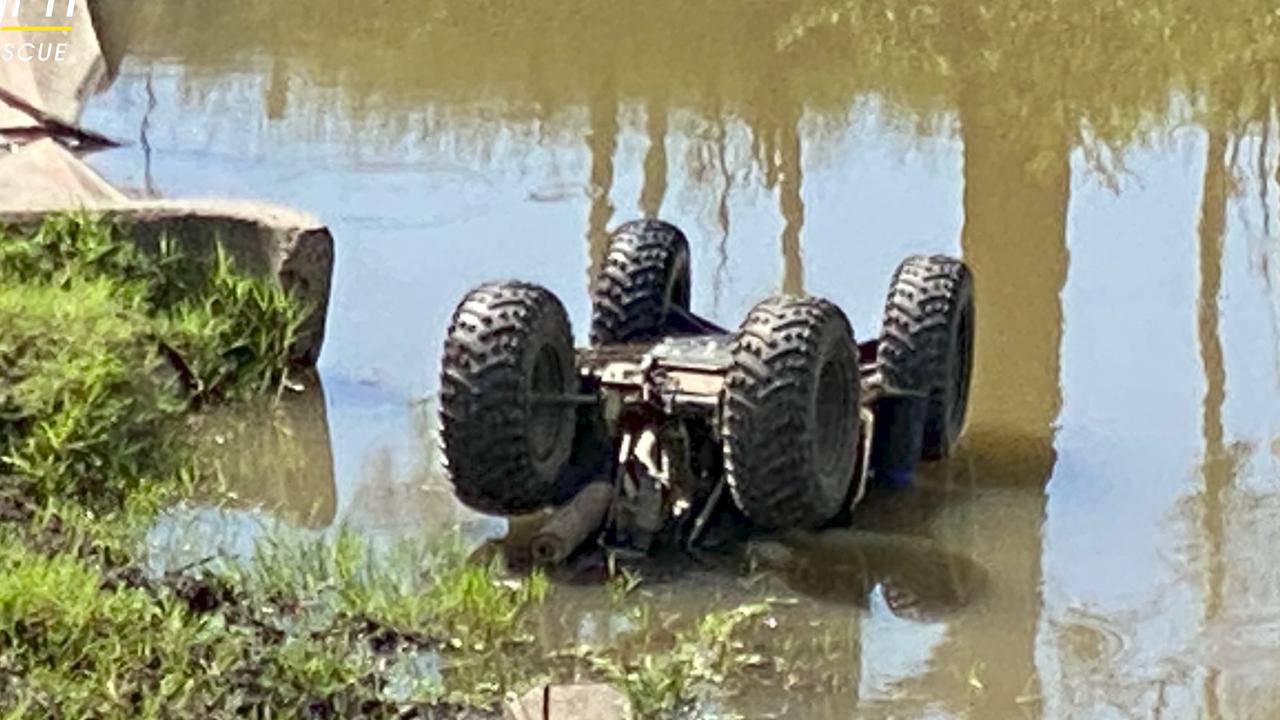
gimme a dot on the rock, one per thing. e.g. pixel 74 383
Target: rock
pixel 570 702
pixel 271 241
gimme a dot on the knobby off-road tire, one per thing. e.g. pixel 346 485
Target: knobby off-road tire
pixel 791 413
pixel 927 343
pixel 645 274
pixel 509 348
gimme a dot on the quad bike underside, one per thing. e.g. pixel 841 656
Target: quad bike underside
pixel 668 422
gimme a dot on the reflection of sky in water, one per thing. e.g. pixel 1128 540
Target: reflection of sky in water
pixel 1122 551
pixel 893 649
pixel 185 536
pixel 1127 445
pixel 1251 282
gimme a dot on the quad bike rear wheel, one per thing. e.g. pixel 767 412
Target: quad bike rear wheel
pixel 645 276
pixel 505 428
pixel 791 415
pixel 927 343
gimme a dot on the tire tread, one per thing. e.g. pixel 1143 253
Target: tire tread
pixel 484 421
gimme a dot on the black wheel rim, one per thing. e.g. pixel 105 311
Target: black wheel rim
pixel 831 416
pixel 961 369
pixel 546 419
pixel 678 291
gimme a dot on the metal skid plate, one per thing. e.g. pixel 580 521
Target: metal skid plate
pixel 678 373
pixel 710 353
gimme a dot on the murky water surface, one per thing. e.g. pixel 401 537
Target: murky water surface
pixel 1102 545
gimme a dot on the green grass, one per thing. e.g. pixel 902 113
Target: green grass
pixel 231 338
pixel 104 351
pixel 84 401
pixel 70 248
pixel 71 644
pixel 410 587
pixel 413 595
pixel 81 639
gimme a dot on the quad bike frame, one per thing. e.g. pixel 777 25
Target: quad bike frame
pixel 668 422
pixel 681 379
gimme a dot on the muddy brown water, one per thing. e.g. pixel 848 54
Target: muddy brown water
pixel 1102 546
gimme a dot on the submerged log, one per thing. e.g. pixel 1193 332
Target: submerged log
pixel 572 524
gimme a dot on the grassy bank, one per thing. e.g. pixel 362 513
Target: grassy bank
pixel 106 364
pixel 107 357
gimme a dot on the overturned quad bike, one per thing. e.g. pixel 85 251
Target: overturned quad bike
pixel 668 420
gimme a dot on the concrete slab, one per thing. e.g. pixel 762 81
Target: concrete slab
pixel 290 246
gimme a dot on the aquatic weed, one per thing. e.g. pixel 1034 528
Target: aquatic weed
pixel 669 682
pixel 410 594
pixel 232 338
pixel 409 585
pixel 622 583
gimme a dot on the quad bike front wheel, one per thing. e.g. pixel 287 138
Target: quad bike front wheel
pixel 645 276
pixel 927 343
pixel 791 413
pixel 505 428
